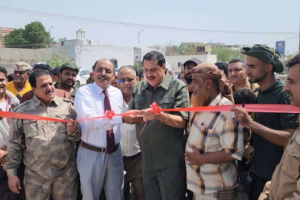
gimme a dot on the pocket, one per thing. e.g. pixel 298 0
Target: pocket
pixel 30 128
pixel 139 103
pixel 166 102
pixel 291 161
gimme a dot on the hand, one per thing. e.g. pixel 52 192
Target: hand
pixel 148 114
pixel 71 126
pixel 242 116
pixel 134 118
pixel 3 157
pixel 195 157
pixel 14 184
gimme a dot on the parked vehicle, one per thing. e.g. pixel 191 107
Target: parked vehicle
pixel 81 77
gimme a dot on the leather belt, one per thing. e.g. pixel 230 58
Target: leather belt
pixel 98 149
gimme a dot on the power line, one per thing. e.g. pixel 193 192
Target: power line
pixel 130 25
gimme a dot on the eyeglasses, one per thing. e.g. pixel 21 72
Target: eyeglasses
pixel 123 80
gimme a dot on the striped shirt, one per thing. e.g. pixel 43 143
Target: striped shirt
pixel 212 132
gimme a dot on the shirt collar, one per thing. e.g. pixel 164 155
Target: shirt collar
pixel 38 102
pixel 164 84
pixel 99 90
pixel 216 100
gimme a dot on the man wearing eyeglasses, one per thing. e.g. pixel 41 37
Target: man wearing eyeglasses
pixel 19 86
pixel 132 157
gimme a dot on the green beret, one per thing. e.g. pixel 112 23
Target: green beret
pixel 69 65
pixel 265 54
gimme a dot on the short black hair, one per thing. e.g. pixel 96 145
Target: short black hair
pixel 130 67
pixel 222 66
pixel 155 56
pixel 244 96
pixel 4 71
pixel 42 65
pixel 36 74
pixel 141 73
pixel 293 61
pixel 236 60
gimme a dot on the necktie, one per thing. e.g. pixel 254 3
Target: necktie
pixel 110 138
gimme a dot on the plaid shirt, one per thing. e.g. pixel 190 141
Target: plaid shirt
pixel 212 132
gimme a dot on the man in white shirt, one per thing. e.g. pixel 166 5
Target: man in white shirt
pixel 132 157
pixel 99 159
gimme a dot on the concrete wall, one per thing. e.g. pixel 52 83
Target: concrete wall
pixel 9 56
pixel 87 55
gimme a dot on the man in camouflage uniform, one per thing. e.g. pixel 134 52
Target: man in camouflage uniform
pixel 46 147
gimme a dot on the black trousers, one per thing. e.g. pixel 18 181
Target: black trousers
pixel 256 187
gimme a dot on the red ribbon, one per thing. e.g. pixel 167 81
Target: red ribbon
pixel 266 108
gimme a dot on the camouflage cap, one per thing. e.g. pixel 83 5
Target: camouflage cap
pixel 22 67
pixel 69 65
pixel 265 54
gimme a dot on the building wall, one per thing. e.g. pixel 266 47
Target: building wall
pixel 9 56
pixel 86 56
pixel 175 60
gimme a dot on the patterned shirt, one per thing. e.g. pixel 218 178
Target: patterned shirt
pixel 212 132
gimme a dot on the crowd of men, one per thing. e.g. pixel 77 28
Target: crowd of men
pixel 67 152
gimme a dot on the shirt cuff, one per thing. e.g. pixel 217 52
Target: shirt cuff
pixel 11 172
pixel 117 120
pixel 237 155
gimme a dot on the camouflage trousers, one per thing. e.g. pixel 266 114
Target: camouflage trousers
pixel 61 188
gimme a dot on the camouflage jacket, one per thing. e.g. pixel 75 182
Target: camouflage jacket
pixel 44 146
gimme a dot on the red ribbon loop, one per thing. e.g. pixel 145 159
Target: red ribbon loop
pixel 155 108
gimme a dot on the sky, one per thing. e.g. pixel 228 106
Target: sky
pixel 267 16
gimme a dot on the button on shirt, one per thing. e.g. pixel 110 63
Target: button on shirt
pixel 130 145
pixel 212 132
pixel 89 103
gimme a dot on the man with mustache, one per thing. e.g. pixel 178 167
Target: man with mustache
pixel 187 67
pixel 270 131
pixel 286 180
pixel 8 101
pixel 19 86
pixel 132 157
pixel 162 138
pixel 215 140
pixel 45 147
pixel 67 78
pixel 99 157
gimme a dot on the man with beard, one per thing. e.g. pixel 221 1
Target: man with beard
pixel 99 158
pixel 8 101
pixel 161 139
pixel 67 78
pixel 132 157
pixel 45 147
pixel 187 67
pixel 215 140
pixel 19 86
pixel 285 180
pixel 270 131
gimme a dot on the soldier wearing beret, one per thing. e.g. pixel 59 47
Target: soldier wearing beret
pixel 19 86
pixel 270 131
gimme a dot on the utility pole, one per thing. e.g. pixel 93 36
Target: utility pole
pixel 139 41
pixel 50 36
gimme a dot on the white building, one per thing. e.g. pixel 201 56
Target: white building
pixel 86 52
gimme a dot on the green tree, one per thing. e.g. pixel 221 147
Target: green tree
pixel 57 60
pixel 16 39
pixel 225 54
pixel 33 36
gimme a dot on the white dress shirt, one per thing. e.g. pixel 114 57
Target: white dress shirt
pixel 89 103
pixel 130 145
